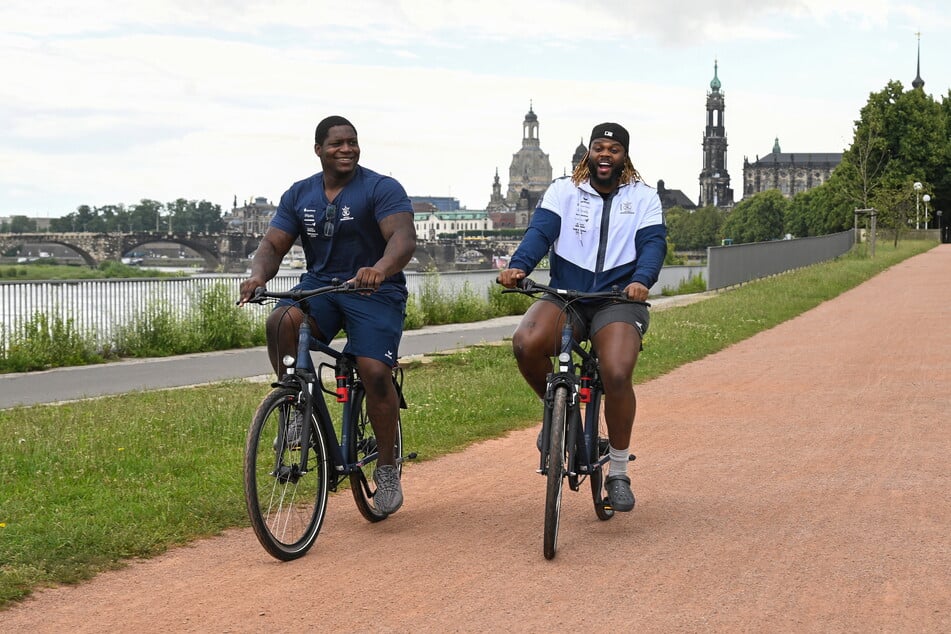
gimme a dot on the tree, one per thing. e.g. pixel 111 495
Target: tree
pixel 21 224
pixel 902 137
pixel 195 216
pixel 757 218
pixel 691 230
pixel 147 215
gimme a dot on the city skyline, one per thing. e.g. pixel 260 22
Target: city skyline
pixel 161 100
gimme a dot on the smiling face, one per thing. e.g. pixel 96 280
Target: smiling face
pixel 605 164
pixel 340 152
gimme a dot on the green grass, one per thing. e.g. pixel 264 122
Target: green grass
pixel 88 485
pixel 48 270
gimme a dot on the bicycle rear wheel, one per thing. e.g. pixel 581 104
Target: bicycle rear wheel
pixel 556 469
pixel 601 448
pixel 285 503
pixel 362 449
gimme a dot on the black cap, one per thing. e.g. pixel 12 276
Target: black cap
pixel 613 131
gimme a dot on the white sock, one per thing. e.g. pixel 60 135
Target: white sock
pixel 619 459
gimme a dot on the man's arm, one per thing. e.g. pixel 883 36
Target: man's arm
pixel 400 234
pixel 267 260
pixel 651 245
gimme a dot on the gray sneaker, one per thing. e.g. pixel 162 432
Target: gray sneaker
pixel 292 434
pixel 389 493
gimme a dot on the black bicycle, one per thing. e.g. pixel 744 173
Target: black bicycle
pixel 574 435
pixel 293 457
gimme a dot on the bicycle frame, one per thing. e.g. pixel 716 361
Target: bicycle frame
pixel 304 375
pixel 584 388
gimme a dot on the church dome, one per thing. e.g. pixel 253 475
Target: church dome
pixel 580 151
pixel 715 82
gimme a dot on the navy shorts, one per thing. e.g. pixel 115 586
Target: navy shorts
pixel 373 323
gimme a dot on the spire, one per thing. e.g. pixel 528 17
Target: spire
pixel 776 149
pixel 918 82
pixel 715 82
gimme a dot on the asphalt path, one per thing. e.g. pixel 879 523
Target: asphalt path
pixel 90 381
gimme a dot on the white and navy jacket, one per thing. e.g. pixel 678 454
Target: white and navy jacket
pixel 592 249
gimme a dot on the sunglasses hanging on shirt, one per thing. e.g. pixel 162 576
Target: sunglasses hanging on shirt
pixel 329 214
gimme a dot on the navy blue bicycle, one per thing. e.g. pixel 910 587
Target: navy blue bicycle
pixel 293 456
pixel 574 436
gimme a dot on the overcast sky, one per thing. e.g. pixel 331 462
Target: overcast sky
pixel 106 103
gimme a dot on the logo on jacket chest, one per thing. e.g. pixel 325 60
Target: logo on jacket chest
pixel 582 218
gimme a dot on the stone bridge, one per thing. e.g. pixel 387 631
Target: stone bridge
pixel 225 252
pixel 228 252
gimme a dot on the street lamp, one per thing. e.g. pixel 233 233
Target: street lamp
pixel 926 198
pixel 917 187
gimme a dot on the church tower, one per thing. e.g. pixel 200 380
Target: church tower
pixel 529 176
pixel 918 83
pixel 714 178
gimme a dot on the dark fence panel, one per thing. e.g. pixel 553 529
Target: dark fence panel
pixel 740 263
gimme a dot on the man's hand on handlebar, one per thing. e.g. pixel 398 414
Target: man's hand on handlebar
pixel 509 278
pixel 367 277
pixel 636 291
pixel 247 289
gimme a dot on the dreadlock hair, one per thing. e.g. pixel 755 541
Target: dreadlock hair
pixel 628 174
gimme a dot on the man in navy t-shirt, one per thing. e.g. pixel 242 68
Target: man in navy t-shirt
pixel 354 225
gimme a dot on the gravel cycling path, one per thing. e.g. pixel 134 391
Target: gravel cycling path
pixel 797 482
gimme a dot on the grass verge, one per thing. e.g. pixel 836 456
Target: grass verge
pixel 89 485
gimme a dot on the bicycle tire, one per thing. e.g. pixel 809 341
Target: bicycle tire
pixel 362 444
pixel 286 507
pixel 556 470
pixel 601 449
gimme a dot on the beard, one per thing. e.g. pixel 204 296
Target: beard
pixel 612 178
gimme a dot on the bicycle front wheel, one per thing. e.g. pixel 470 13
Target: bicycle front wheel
pixel 286 496
pixel 600 451
pixel 556 469
pixel 362 451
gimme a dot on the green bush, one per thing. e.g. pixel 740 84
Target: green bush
pixel 504 304
pixel 46 342
pixel 219 324
pixel 467 306
pixel 414 314
pixel 436 306
pixel 693 284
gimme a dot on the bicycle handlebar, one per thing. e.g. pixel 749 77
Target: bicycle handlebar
pixel 528 286
pixel 336 286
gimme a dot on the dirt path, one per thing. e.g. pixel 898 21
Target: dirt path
pixel 795 482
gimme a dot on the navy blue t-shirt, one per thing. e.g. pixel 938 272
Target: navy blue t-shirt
pixel 357 240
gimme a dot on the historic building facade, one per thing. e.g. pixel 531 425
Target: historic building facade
pixel 529 177
pixel 432 223
pixel 790 173
pixel 251 218
pixel 714 178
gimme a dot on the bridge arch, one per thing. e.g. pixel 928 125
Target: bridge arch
pixel 19 239
pixel 211 259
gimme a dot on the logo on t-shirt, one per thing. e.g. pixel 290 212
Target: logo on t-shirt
pixel 310 222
